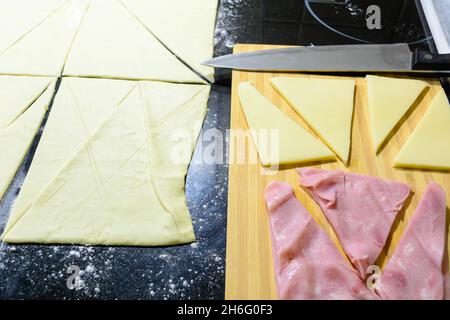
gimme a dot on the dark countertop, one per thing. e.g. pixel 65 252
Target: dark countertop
pixel 194 271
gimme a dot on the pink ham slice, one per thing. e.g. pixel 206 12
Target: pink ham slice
pixel 361 210
pixel 415 271
pixel 308 265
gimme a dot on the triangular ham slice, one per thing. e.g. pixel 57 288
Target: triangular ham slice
pixel 307 263
pixel 361 210
pixel 415 271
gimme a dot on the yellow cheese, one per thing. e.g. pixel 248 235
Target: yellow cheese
pixel 112 43
pixel 293 143
pixel 326 105
pixel 44 48
pixel 389 100
pixel 428 146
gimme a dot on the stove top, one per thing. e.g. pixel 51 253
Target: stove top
pixel 321 22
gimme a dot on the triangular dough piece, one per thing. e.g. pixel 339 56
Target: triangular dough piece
pixel 80 107
pixel 389 99
pixel 16 139
pixel 428 145
pixel 415 270
pixel 112 43
pixel 308 265
pixel 295 144
pixel 326 105
pixel 20 16
pixel 361 210
pixel 122 187
pixel 185 27
pixel 43 50
pixel 17 94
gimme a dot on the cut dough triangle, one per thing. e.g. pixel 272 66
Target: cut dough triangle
pixel 361 210
pixel 80 107
pixel 428 146
pixel 122 186
pixel 17 94
pixel 16 21
pixel 389 99
pixel 112 43
pixel 16 138
pixel 415 270
pixel 185 27
pixel 43 50
pixel 326 105
pixel 295 144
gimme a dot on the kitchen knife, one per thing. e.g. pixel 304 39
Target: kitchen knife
pixel 394 58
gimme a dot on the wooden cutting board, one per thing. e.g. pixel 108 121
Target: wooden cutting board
pixel 249 268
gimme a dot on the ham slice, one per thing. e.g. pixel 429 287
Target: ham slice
pixel 361 210
pixel 415 271
pixel 307 263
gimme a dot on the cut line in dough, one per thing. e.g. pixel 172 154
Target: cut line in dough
pixel 112 43
pixel 43 50
pixel 118 186
pixel 190 33
pixel 16 138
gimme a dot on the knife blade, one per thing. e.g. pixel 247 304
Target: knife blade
pixel 395 58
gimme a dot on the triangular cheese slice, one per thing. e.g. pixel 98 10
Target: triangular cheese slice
pixel 19 17
pixel 185 27
pixel 80 107
pixel 415 270
pixel 389 99
pixel 295 144
pixel 308 265
pixel 17 94
pixel 123 186
pixel 326 105
pixel 112 43
pixel 428 145
pixel 43 50
pixel 361 209
pixel 16 138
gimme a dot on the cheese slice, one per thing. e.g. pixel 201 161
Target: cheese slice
pixel 190 31
pixel 326 105
pixel 16 138
pixel 428 145
pixel 122 185
pixel 389 99
pixel 294 144
pixel 17 94
pixel 112 43
pixel 43 50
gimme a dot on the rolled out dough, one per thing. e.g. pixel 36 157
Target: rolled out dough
pixel 185 27
pixel 115 182
pixel 112 43
pixel 43 50
pixel 17 136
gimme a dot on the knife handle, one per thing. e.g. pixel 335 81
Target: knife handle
pixel 424 60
